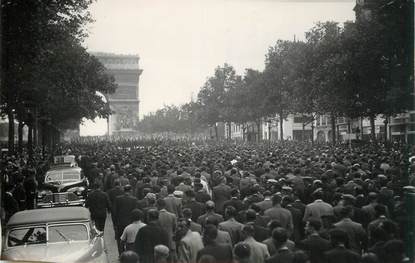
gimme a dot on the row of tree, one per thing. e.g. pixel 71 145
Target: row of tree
pixel 49 81
pixel 357 69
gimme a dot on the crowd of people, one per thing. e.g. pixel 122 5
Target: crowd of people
pixel 286 202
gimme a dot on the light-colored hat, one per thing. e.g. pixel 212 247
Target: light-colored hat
pixel 151 196
pixel 178 193
pixel 161 250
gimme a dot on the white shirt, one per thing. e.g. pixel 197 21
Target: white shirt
pixel 130 231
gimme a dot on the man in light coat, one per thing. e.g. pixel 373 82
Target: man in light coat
pixel 190 244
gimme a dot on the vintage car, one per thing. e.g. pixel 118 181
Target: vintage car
pixel 62 234
pixel 64 185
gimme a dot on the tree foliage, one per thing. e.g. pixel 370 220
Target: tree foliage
pixel 47 74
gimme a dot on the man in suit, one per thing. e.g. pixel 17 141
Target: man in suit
pixel 355 232
pixel 339 253
pixel 195 227
pixel 260 232
pixel 98 204
pixel 223 237
pixel 113 193
pixel 220 194
pixel 150 236
pixel 280 214
pixel 318 208
pixel 168 222
pixel 190 202
pixel 218 252
pixel 173 204
pixel 266 203
pixel 259 251
pixel 123 206
pixel 314 245
pixel 283 254
pixel 272 249
pixel 190 242
pixel 232 226
pixel 210 212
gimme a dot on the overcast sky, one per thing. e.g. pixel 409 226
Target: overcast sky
pixel 180 42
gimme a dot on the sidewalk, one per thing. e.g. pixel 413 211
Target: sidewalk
pixel 109 240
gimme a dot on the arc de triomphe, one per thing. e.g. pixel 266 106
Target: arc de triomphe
pixel 125 101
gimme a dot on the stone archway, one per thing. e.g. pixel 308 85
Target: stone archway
pixel 124 103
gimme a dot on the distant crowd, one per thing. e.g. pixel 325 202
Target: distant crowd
pixel 286 202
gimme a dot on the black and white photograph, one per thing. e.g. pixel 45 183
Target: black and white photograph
pixel 207 131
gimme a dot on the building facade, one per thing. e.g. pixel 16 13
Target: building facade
pixel 125 101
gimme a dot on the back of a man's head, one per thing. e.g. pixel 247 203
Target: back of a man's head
pixel 276 199
pixel 128 257
pixel 136 215
pixel 210 233
pixel 153 215
pixel 280 235
pixel 187 213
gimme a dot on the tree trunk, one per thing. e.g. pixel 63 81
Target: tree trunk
pixel 281 127
pixel 372 128
pixel 386 129
pixel 20 137
pixel 269 131
pixel 258 125
pixel 303 133
pixel 229 131
pixel 35 128
pixel 216 132
pixel 30 141
pixel 312 133
pixel 333 129
pixel 43 138
pixel 11 132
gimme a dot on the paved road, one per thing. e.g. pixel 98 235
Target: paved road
pixel 110 243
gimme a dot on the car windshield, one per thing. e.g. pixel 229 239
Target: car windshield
pixel 56 233
pixel 66 233
pixel 27 236
pixel 60 176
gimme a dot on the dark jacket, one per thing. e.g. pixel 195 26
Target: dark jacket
pixel 315 246
pixel 114 193
pixel 341 255
pixel 197 208
pixel 147 238
pixel 220 194
pixel 222 253
pixel 98 204
pixel 283 255
pixel 123 206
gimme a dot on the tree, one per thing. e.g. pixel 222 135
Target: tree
pixel 331 78
pixel 213 97
pixel 281 72
pixel 41 40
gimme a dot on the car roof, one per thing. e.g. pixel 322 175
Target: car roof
pixel 49 215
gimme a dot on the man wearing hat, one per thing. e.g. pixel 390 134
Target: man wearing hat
pixel 220 194
pixel 123 206
pixel 210 212
pixel 173 203
pixel 318 208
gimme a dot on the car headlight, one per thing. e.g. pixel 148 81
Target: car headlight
pixel 43 193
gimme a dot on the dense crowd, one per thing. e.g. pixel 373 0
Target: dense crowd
pixel 289 202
